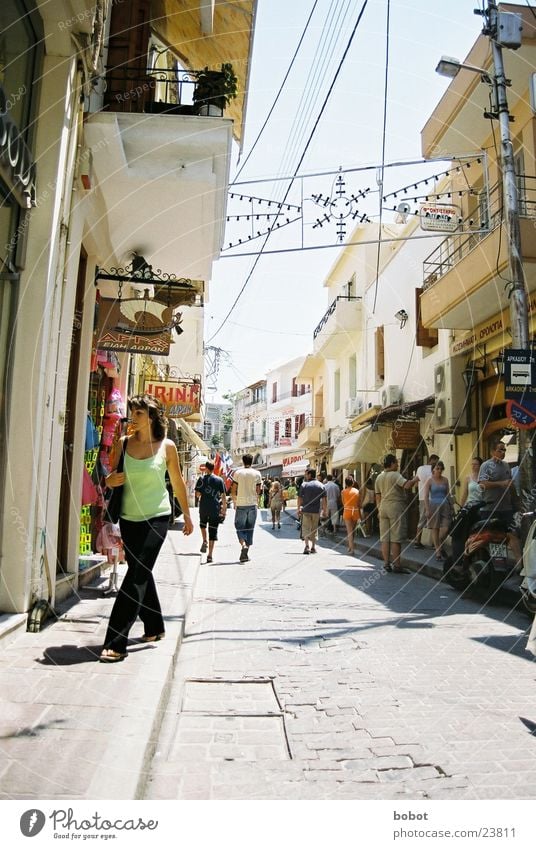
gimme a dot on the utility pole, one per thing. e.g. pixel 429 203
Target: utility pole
pixel 519 313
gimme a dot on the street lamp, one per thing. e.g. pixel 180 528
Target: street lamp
pixel 448 66
pixel 504 29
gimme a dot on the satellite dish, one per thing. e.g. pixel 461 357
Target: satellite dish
pixel 402 211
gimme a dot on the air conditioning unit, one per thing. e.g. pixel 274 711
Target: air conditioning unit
pixel 323 437
pixel 450 411
pixel 354 407
pixel 390 395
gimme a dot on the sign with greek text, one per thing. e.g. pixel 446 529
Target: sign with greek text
pixel 519 374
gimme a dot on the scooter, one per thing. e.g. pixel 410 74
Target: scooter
pixel 481 560
pixel 528 584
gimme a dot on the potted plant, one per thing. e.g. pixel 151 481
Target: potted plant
pixel 215 89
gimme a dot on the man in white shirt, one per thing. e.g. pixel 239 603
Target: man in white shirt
pixel 245 491
pixel 333 495
pixel 423 473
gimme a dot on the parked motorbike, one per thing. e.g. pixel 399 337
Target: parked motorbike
pixel 528 584
pixel 481 559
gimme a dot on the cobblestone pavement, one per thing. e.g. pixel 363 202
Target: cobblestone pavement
pixel 304 677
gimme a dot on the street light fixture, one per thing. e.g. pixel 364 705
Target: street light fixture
pixel 448 66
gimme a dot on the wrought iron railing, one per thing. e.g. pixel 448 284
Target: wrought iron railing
pixel 140 89
pixel 331 309
pixel 455 247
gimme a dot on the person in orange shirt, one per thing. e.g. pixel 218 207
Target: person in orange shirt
pixel 351 502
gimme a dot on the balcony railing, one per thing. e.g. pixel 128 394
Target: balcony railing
pixel 284 396
pixel 331 309
pixel 139 89
pixel 454 248
pixel 312 421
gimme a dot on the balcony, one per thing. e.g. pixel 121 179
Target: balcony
pixel 464 276
pixel 161 179
pixel 342 317
pixel 309 435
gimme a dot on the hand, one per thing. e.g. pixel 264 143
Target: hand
pixel 188 526
pixel 115 479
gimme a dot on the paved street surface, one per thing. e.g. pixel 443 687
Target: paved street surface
pixel 319 676
pixel 299 677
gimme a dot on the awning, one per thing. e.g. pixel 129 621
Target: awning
pixel 362 446
pixel 294 469
pixel 192 437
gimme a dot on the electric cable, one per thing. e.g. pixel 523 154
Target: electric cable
pixel 317 73
pixel 382 166
pixel 334 80
pixel 274 104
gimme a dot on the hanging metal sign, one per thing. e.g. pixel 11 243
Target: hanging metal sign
pixel 180 398
pixel 441 217
pixel 134 325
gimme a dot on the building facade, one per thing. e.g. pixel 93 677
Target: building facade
pixel 112 174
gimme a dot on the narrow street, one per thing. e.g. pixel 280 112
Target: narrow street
pixel 321 677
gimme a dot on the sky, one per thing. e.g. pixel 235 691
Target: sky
pixel 284 298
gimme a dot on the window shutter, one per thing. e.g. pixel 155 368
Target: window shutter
pixel 426 337
pixel 380 358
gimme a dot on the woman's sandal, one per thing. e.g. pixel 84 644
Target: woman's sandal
pixel 154 639
pixel 111 656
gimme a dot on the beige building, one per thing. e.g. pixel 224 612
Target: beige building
pixel 115 164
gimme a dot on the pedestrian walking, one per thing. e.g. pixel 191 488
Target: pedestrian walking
pixel 423 473
pixel 144 517
pixel 245 491
pixel 276 504
pixel 312 502
pixel 351 514
pixel 439 507
pixel 333 496
pixel 368 507
pixel 210 492
pixel 390 489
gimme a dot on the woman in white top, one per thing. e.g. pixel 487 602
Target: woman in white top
pixel 471 490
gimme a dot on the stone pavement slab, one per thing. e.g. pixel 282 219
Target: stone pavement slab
pixel 73 728
pixel 389 686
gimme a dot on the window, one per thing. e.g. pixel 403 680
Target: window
pixel 276 433
pixel 352 376
pixel 337 390
pixel 252 432
pixel 380 357
pixel 426 337
pixel 294 387
pixel 288 428
pixel 274 392
pixel 299 424
pixel 263 430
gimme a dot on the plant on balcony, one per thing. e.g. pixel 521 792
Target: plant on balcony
pixel 214 90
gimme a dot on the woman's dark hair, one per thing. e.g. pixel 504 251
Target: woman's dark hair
pixel 349 481
pixel 439 464
pixel 155 410
pixel 477 460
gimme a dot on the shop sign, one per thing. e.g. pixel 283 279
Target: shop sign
pixel 119 331
pixel 180 398
pixel 519 374
pixel 487 330
pixel 285 440
pixel 295 458
pixel 439 216
pixel 17 167
pixel 406 434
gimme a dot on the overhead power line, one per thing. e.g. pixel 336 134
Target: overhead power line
pixel 298 166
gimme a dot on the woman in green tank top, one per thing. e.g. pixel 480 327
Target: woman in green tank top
pixel 145 511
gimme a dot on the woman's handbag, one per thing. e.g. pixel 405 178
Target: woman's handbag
pixel 112 511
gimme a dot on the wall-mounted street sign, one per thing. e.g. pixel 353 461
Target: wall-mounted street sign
pixel 444 217
pixel 519 374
